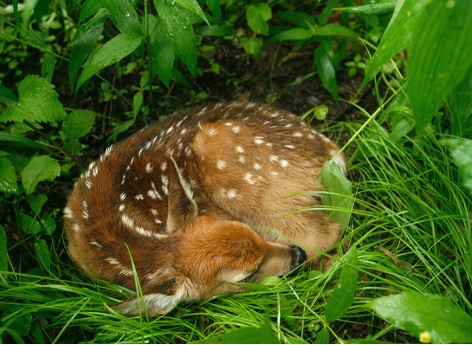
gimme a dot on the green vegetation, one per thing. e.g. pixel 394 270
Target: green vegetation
pixel 76 75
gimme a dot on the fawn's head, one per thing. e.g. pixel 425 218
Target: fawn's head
pixel 204 257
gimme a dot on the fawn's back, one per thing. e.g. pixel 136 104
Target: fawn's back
pixel 199 201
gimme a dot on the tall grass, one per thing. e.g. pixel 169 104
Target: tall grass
pixel 407 201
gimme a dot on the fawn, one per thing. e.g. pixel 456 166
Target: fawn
pixel 199 201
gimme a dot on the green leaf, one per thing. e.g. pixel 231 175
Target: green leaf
pixel 461 153
pixel 323 336
pixel 137 102
pixel 246 335
pixel 78 124
pixel 8 183
pixel 378 8
pixel 436 63
pixel 3 251
pixel 459 102
pixel 396 37
pixel 252 46
pixel 339 192
pixel 326 71
pixel 111 52
pixel 18 321
pixel 335 30
pixel 42 251
pixel 424 314
pixel 194 7
pixel 122 127
pixel 28 224
pixel 36 202
pixel 216 31
pixel 123 14
pixel 88 9
pixel 19 139
pixel 215 8
pixel 292 35
pixel 257 17
pixel 48 65
pixel 162 53
pixel 37 102
pixel 39 169
pixel 345 290
pixel 180 32
pixel 83 42
pixel 33 38
pixel 41 8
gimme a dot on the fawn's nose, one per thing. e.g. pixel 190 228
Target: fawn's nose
pixel 298 256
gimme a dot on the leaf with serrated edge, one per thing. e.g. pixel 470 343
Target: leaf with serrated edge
pixel 37 102
pixel 419 313
pixel 8 183
pixel 78 123
pixel 39 169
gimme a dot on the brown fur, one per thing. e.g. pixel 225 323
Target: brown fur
pixel 181 200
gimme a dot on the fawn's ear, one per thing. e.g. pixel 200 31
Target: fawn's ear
pixel 158 297
pixel 182 207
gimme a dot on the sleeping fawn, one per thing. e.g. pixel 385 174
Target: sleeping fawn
pixel 199 201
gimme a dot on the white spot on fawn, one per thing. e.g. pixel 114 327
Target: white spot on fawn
pixel 283 163
pixel 231 194
pixel 139 197
pixel 68 213
pixel 239 149
pixel 148 168
pixel 258 140
pixel 220 164
pixel 257 166
pixel 236 129
pixel 122 196
pixel 274 158
pixel 121 208
pixel 248 178
pixel 298 134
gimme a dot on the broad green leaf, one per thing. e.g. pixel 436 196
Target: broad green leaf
pixel 123 127
pixel 396 37
pixel 216 31
pixel 252 46
pixel 42 251
pixel 325 68
pixel 83 42
pixel 301 19
pixel 459 103
pixel 461 153
pixel 339 194
pixel 88 9
pixel 7 96
pixel 111 52
pixel 137 102
pixel 194 7
pixel 257 17
pixel 78 124
pixel 48 222
pixel 28 224
pixel 345 289
pixel 8 183
pixel 440 55
pixel 377 8
pixel 246 335
pixel 33 38
pixel 36 202
pixel 323 336
pixel 180 32
pixel 123 14
pixel 3 250
pixel 335 30
pixel 18 321
pixel 215 8
pixel 37 102
pixel 292 35
pixel 41 8
pixel 162 54
pixel 39 169
pixel 47 67
pixel 423 315
pixel 19 139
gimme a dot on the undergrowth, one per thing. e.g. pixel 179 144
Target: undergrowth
pixel 402 271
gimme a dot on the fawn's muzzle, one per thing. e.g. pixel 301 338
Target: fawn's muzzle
pixel 298 256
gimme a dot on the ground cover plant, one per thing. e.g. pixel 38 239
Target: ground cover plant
pixel 389 80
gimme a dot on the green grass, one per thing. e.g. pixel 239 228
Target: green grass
pixel 407 200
